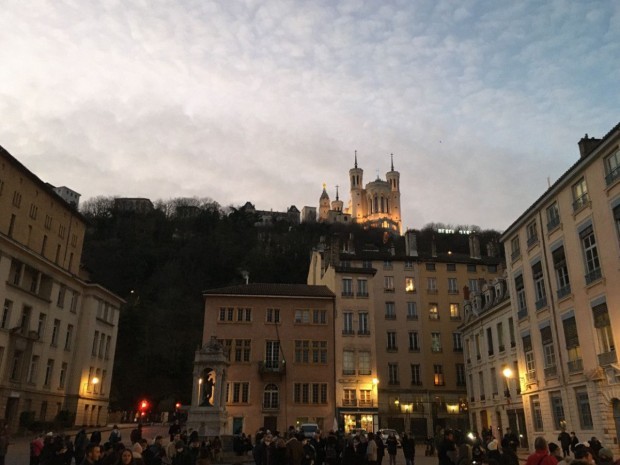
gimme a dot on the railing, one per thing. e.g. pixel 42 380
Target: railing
pixel 516 254
pixel 541 303
pixel 553 223
pixel 348 372
pixel 363 332
pixel 612 176
pixel 348 332
pixel 532 240
pixel 564 291
pixel 575 366
pixel 349 402
pixel 362 294
pixel 581 202
pixel 347 293
pixel 522 313
pixel 593 275
pixel 412 317
pixel 431 291
pixel 607 358
pixel 551 371
pixel 501 348
pixel 271 366
pixel 453 291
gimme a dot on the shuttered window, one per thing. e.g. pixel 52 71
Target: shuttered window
pixel 570 333
pixel 601 317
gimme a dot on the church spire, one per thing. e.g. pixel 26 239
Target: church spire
pixel 337 198
pixel 356 158
pixel 392 159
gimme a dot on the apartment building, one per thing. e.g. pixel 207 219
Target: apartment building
pixel 563 269
pixel 402 308
pixel 280 343
pixel 491 361
pixel 57 330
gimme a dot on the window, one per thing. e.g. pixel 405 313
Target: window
pixel 302 316
pixel 16 365
pixel 539 286
pixel 460 374
pixel 242 350
pixel 363 327
pixel 273 315
pixel 553 216
pixel 107 347
pixel 319 352
pixel 347 323
pixel 240 393
pixel 272 354
pixel 500 336
pixel 471 268
pixel 612 167
pixel 536 413
pixel 511 332
pixel 590 252
pixel 310 393
pixel 481 385
pixel 6 313
pixel 69 337
pixel 436 342
pixel 451 266
pixel 561 272
pixel 457 342
pixel 580 194
pixel 362 288
pixel 391 340
pixel 430 267
pixel 455 312
pixel 32 371
pixel 271 397
pixel 583 408
pixel 387 264
pixel 603 331
pixel 319 317
pixel 227 314
pixel 490 341
pixel 477 344
pixel 494 388
pixel 390 311
pixel 63 376
pixel 548 351
pixel 25 321
pixel 49 368
pixel 363 357
pixel 348 362
pixel 412 311
pixel 431 285
pixel 408 264
pixel 414 341
pixel 473 285
pixel 61 296
pixel 532 234
pixel 17 199
pixel 571 340
pixel 557 408
pixel 393 374
pixel 438 379
pixel 55 331
pixel 521 302
pixel 409 285
pixel 452 286
pixel 349 397
pixel 365 397
pixel 515 248
pixel 388 283
pixel 433 312
pixel 41 326
pixel 530 365
pixel 347 287
pixel 416 377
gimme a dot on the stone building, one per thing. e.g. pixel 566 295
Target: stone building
pixel 563 269
pixel 57 329
pixel 280 342
pixel 399 349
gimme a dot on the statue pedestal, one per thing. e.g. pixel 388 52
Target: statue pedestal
pixel 208 421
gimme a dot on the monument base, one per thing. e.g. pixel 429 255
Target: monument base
pixel 208 421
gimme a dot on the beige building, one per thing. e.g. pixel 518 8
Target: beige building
pixel 563 271
pixel 57 330
pixel 401 308
pixel 491 361
pixel 280 339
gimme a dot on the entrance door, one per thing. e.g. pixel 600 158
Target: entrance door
pixel 237 425
pixel 12 405
pixel 615 404
pixel 271 423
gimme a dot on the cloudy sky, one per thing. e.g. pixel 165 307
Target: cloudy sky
pixel 479 101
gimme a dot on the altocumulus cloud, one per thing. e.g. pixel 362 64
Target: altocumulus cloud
pixel 479 101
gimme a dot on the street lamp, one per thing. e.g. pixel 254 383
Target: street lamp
pixel 199 387
pixel 507 372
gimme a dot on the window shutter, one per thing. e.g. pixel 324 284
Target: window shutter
pixel 527 343
pixel 601 317
pixel 570 333
pixel 545 333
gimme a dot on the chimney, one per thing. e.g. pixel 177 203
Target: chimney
pixel 474 246
pixel 433 248
pixel 587 144
pixel 491 249
pixel 411 244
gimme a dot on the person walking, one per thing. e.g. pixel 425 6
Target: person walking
pixel 391 444
pixel 408 444
pixel 541 454
pixel 565 441
pixel 371 450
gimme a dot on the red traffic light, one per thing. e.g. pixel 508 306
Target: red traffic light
pixel 144 405
pixel 178 405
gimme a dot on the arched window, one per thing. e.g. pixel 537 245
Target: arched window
pixel 271 397
pixel 376 206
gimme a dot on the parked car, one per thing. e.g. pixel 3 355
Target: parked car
pixel 386 432
pixel 309 429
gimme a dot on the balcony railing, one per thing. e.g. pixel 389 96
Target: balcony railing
pixel 593 275
pixel 365 403
pixel 581 202
pixel 347 293
pixel 553 223
pixel 348 332
pixel 362 294
pixel 349 402
pixel 363 332
pixel 551 371
pixel 541 303
pixel 612 176
pixel 532 240
pixel 412 317
pixel 522 313
pixel 564 291
pixel 575 366
pixel 607 358
pixel 271 366
pixel 515 254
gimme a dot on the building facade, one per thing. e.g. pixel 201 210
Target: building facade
pixel 280 341
pixel 491 361
pixel 57 330
pixel 563 269
pixel 402 307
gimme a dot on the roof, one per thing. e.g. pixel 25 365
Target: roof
pixel 273 290
pixel 582 160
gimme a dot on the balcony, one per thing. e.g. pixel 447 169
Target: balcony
pixel 553 223
pixel 581 202
pixel 453 291
pixel 348 332
pixel 349 402
pixel 348 294
pixel 271 367
pixel 532 240
pixel 363 332
pixel 501 348
pixel 362 295
pixel 551 371
pixel 516 254
pixel 575 366
pixel 348 372
pixel 607 358
pixel 564 291
pixel 611 177
pixel 541 303
pixel 412 317
pixel 389 290
pixel 270 407
pixel 593 276
pixel 365 403
pixel 522 313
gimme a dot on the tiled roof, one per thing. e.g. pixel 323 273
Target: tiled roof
pixel 273 289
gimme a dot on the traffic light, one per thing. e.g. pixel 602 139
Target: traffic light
pixel 144 406
pixel 177 405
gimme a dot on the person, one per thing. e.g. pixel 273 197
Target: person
pixel 182 456
pixel 294 450
pixel 204 457
pixel 541 454
pixel 4 443
pixel 174 429
pixel 493 452
pixel 95 437
pixel 408 444
pixel 371 450
pixel 583 455
pixel 391 444
pixel 36 446
pixel 595 446
pixel 79 445
pixel 331 449
pixel 554 450
pixel 446 449
pixel 309 452
pixel 216 448
pixel 115 435
pixel 574 440
pixel 510 438
pixel 509 456
pixel 380 448
pixel 605 457
pixel 92 454
pixel 348 453
pixel 127 457
pixel 565 440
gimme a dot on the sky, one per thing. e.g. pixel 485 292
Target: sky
pixel 482 103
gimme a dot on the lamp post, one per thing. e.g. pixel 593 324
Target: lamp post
pixel 507 372
pixel 199 388
pixel 408 408
pixel 375 385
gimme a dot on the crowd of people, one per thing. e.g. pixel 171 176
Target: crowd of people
pixel 583 453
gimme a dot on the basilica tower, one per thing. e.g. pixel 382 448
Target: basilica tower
pixel 324 205
pixel 356 175
pixel 393 178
